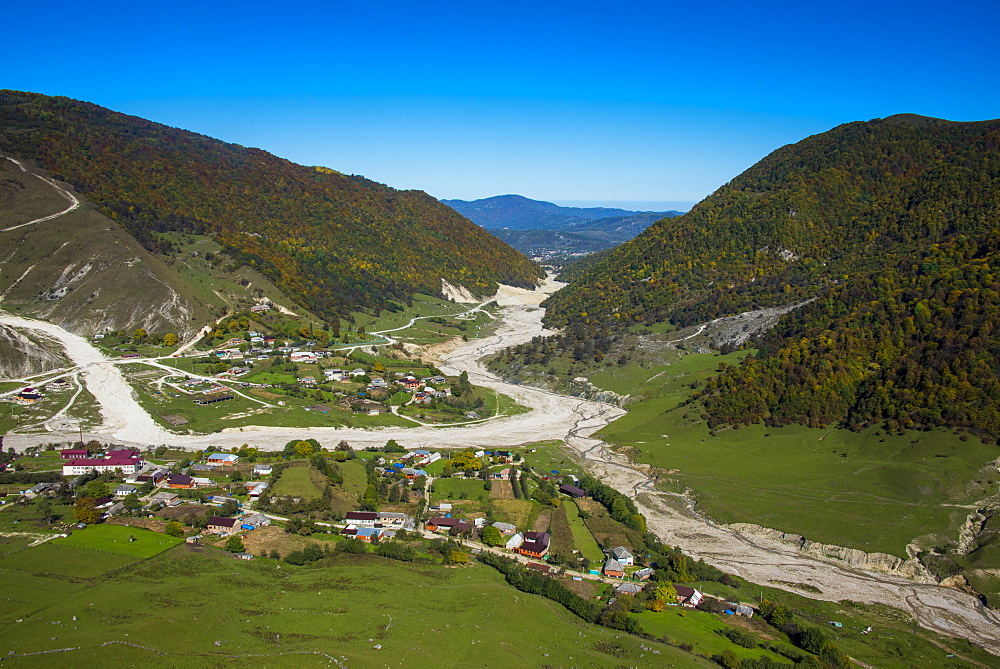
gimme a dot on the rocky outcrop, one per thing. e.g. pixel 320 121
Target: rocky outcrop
pixel 578 387
pixel 25 354
pixel 850 557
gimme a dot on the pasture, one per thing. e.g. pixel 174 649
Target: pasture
pixel 699 629
pixel 453 489
pixel 582 536
pixel 867 490
pixel 300 481
pixel 361 610
pixel 134 542
pixel 52 559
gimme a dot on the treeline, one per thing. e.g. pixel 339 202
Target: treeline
pixel 335 242
pixel 620 507
pixel 535 583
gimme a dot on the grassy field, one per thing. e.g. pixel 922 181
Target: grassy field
pixel 582 536
pixel 302 616
pixel 42 461
pixel 457 489
pixel 301 481
pixel 355 476
pixel 423 305
pixel 895 642
pixel 867 490
pixel 699 629
pixel 606 530
pixel 272 378
pixel 514 511
pixel 64 560
pixel 120 540
pixel 26 517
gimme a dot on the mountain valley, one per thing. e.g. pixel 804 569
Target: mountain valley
pixel 795 381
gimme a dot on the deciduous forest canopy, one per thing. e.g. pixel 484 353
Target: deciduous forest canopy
pixel 338 242
pixel 892 224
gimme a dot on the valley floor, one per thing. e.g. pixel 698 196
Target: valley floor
pixel 558 417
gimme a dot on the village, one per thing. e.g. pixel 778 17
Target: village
pixel 464 506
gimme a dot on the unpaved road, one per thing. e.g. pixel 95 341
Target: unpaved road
pixel 553 416
pixel 73 202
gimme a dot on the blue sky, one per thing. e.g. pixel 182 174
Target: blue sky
pixel 568 102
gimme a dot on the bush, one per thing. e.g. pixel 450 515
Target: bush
pixel 352 545
pixel 396 551
pixel 739 637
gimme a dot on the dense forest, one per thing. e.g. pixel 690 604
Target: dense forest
pixel 893 225
pixel 336 242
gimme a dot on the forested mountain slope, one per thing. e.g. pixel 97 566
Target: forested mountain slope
pixel 894 225
pixel 335 242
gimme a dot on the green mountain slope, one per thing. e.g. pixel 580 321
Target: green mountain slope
pixel 892 224
pixel 336 242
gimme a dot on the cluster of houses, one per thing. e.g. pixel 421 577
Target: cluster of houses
pixel 374 526
pixel 31 395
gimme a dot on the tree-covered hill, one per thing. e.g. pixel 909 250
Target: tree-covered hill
pixel 336 242
pixel 894 226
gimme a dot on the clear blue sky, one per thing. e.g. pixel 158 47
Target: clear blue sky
pixel 582 101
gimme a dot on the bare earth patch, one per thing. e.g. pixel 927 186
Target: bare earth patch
pixel 502 490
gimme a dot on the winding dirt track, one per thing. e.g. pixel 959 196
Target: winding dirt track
pixel 553 416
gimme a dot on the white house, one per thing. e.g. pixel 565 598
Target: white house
pixel 124 490
pixel 514 542
pixel 623 555
pixel 262 470
pixel 392 519
pixel 101 465
pixel 361 518
pixel 505 528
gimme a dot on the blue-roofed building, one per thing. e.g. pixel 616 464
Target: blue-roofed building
pixel 370 534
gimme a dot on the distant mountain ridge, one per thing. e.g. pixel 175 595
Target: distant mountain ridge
pixel 333 242
pixel 520 213
pixel 536 227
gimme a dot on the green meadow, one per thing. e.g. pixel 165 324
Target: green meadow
pixel 118 539
pixel 198 605
pixel 867 490
pixel 302 481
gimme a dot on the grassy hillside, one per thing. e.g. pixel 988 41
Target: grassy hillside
pixel 891 224
pixel 362 610
pixel 82 271
pixel 335 241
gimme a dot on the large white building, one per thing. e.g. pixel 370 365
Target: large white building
pixel 100 465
